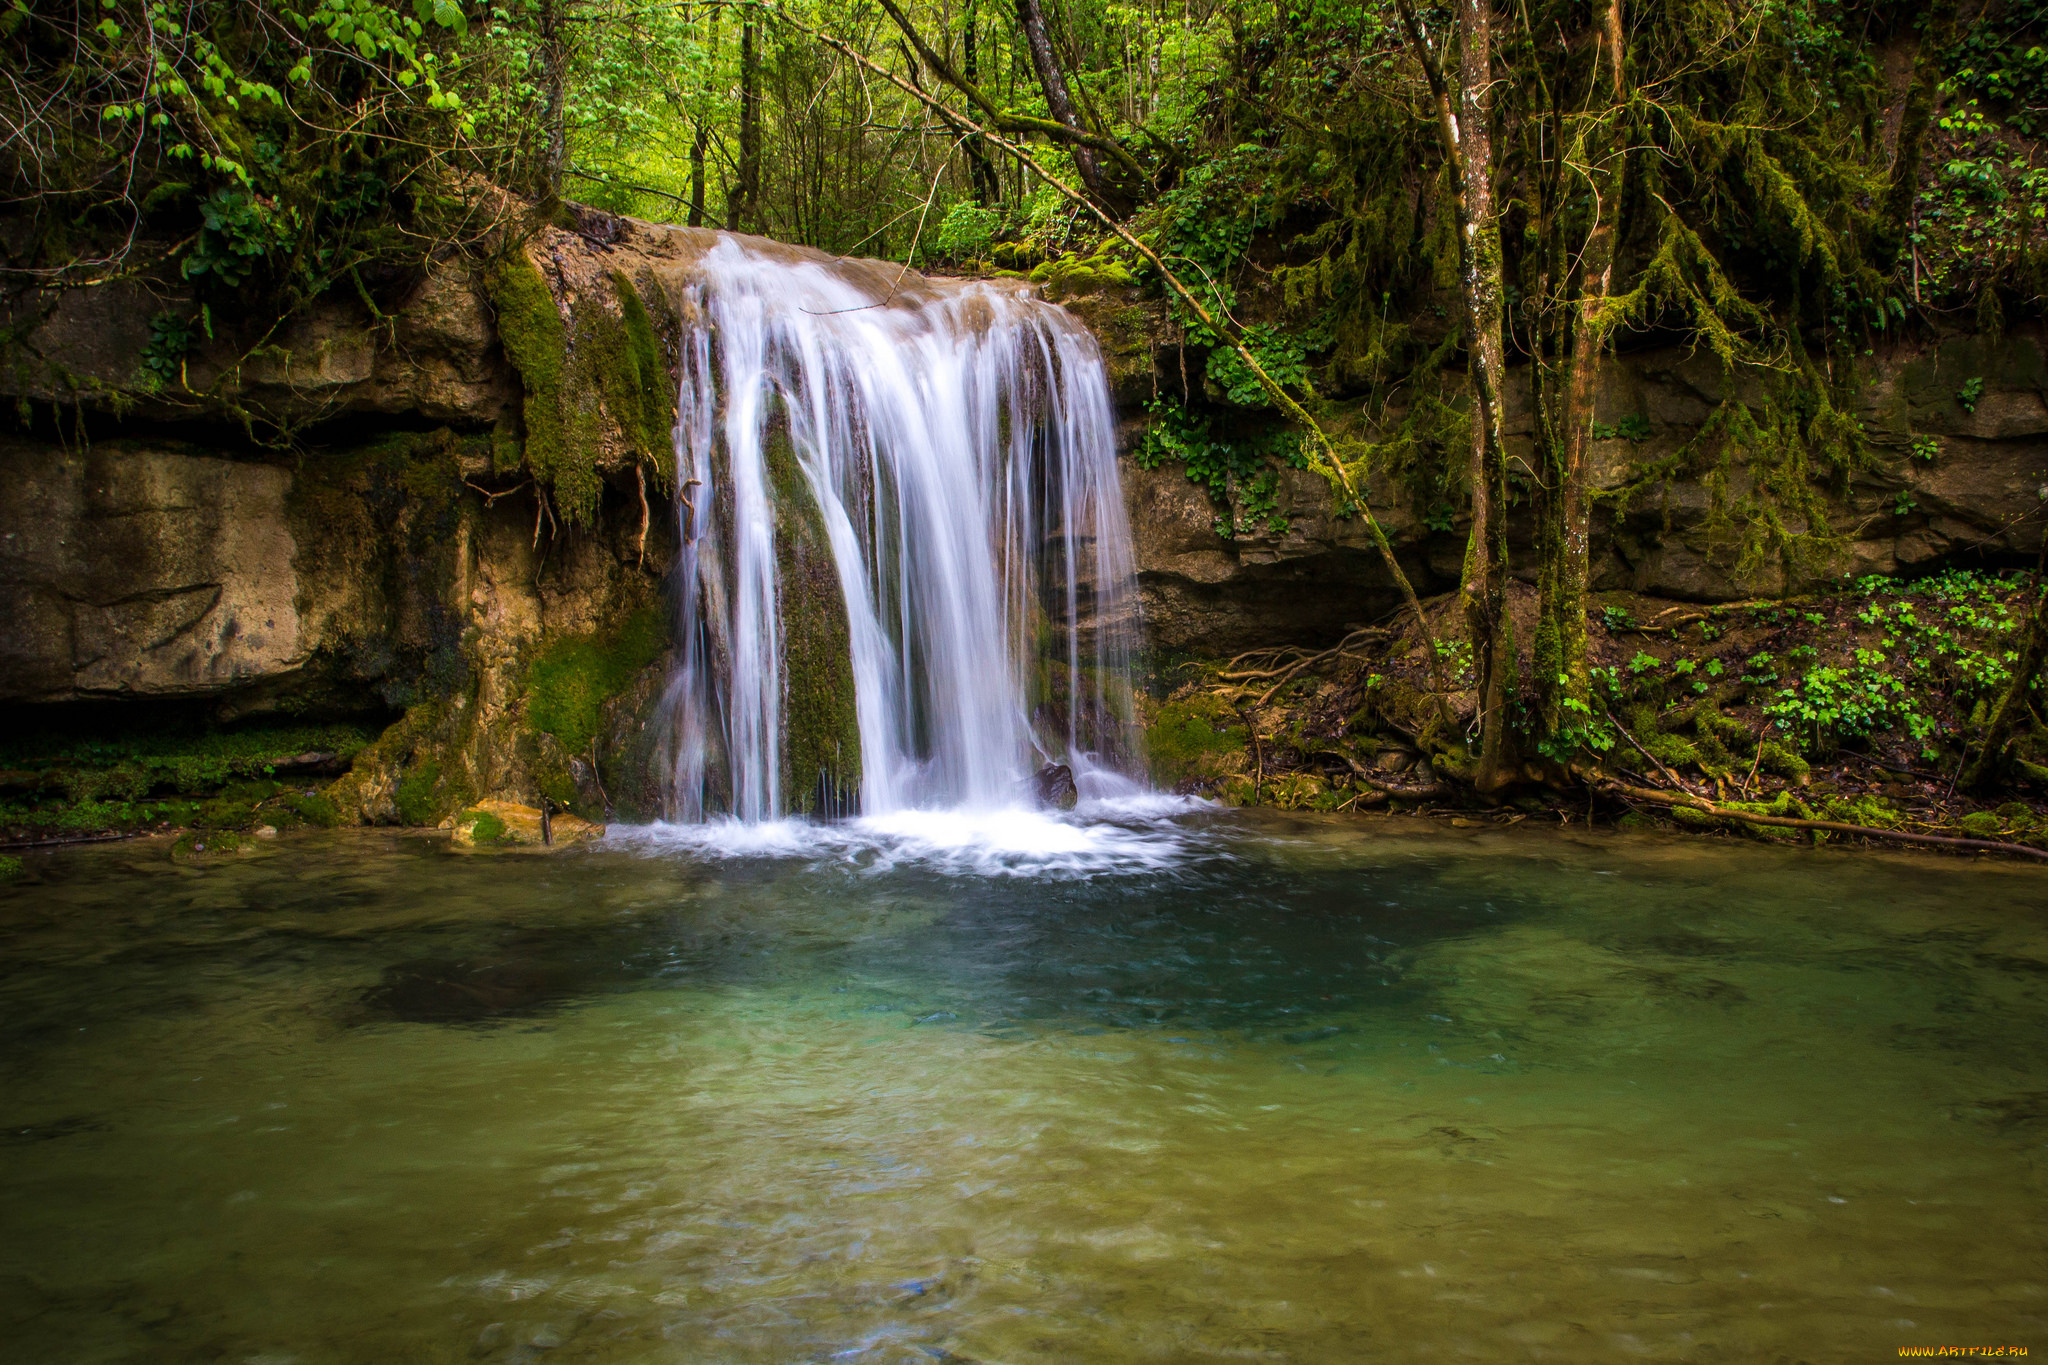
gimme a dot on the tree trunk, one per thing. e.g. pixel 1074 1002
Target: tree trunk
pixel 981 174
pixel 1483 287
pixel 1561 674
pixel 2014 701
pixel 1060 102
pixel 700 136
pixel 745 210
pixel 554 62
pixel 1935 39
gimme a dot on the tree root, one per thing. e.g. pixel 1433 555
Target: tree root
pixel 1427 792
pixel 1658 797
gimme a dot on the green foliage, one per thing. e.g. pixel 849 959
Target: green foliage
pixel 1242 474
pixel 568 685
pixel 1630 428
pixel 170 340
pixel 10 867
pixel 968 230
pixel 1969 393
pixel 237 232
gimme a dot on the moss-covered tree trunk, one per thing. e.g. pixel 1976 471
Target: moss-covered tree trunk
pixel 1598 157
pixel 1483 286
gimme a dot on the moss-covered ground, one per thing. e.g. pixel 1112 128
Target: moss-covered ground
pixel 72 777
pixel 1858 705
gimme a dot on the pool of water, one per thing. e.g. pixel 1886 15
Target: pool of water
pixel 1183 1086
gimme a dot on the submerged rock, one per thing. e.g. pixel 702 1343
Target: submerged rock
pixel 435 991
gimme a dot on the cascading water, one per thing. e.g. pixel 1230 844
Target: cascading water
pixel 906 489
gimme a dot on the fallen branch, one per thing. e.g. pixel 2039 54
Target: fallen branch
pixel 1656 797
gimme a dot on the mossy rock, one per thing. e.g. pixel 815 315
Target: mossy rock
pixel 821 758
pixel 1197 739
pixel 1294 791
pixel 596 385
pixel 311 809
pixel 10 867
pixel 1982 824
pixel 207 845
pixel 568 685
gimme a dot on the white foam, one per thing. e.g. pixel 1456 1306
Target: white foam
pixel 1138 833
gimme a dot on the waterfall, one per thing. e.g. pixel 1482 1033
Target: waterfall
pixel 906 572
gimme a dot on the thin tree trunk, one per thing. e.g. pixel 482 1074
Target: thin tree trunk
pixel 1561 676
pixel 988 190
pixel 745 210
pixel 699 141
pixel 1060 102
pixel 2014 701
pixel 700 138
pixel 1935 40
pixel 554 59
pixel 1483 287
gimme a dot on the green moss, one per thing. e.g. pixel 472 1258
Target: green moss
pixel 577 373
pixel 484 827
pixel 1781 761
pixel 643 398
pixel 568 685
pixel 1982 824
pixel 821 759
pixel 416 794
pixel 207 841
pixel 1197 739
pixel 10 867
pixel 311 810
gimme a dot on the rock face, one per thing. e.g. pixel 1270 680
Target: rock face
pixel 1949 464
pixel 138 572
pixel 388 552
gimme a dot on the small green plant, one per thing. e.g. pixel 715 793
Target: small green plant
pixel 10 867
pixel 1904 504
pixel 1617 618
pixel 1440 518
pixel 1969 393
pixel 1629 428
pixel 170 341
pixel 1926 449
pixel 968 230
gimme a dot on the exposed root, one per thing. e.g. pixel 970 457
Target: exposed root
pixel 1425 792
pixel 646 517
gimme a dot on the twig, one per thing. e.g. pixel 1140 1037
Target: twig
pixel 1674 778
pixel 1758 761
pixel 491 498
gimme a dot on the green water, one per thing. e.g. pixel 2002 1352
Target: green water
pixel 1276 1091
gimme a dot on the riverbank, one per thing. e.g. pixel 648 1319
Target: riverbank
pixel 1861 706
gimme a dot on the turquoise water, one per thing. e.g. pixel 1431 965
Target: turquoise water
pixel 1209 1087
